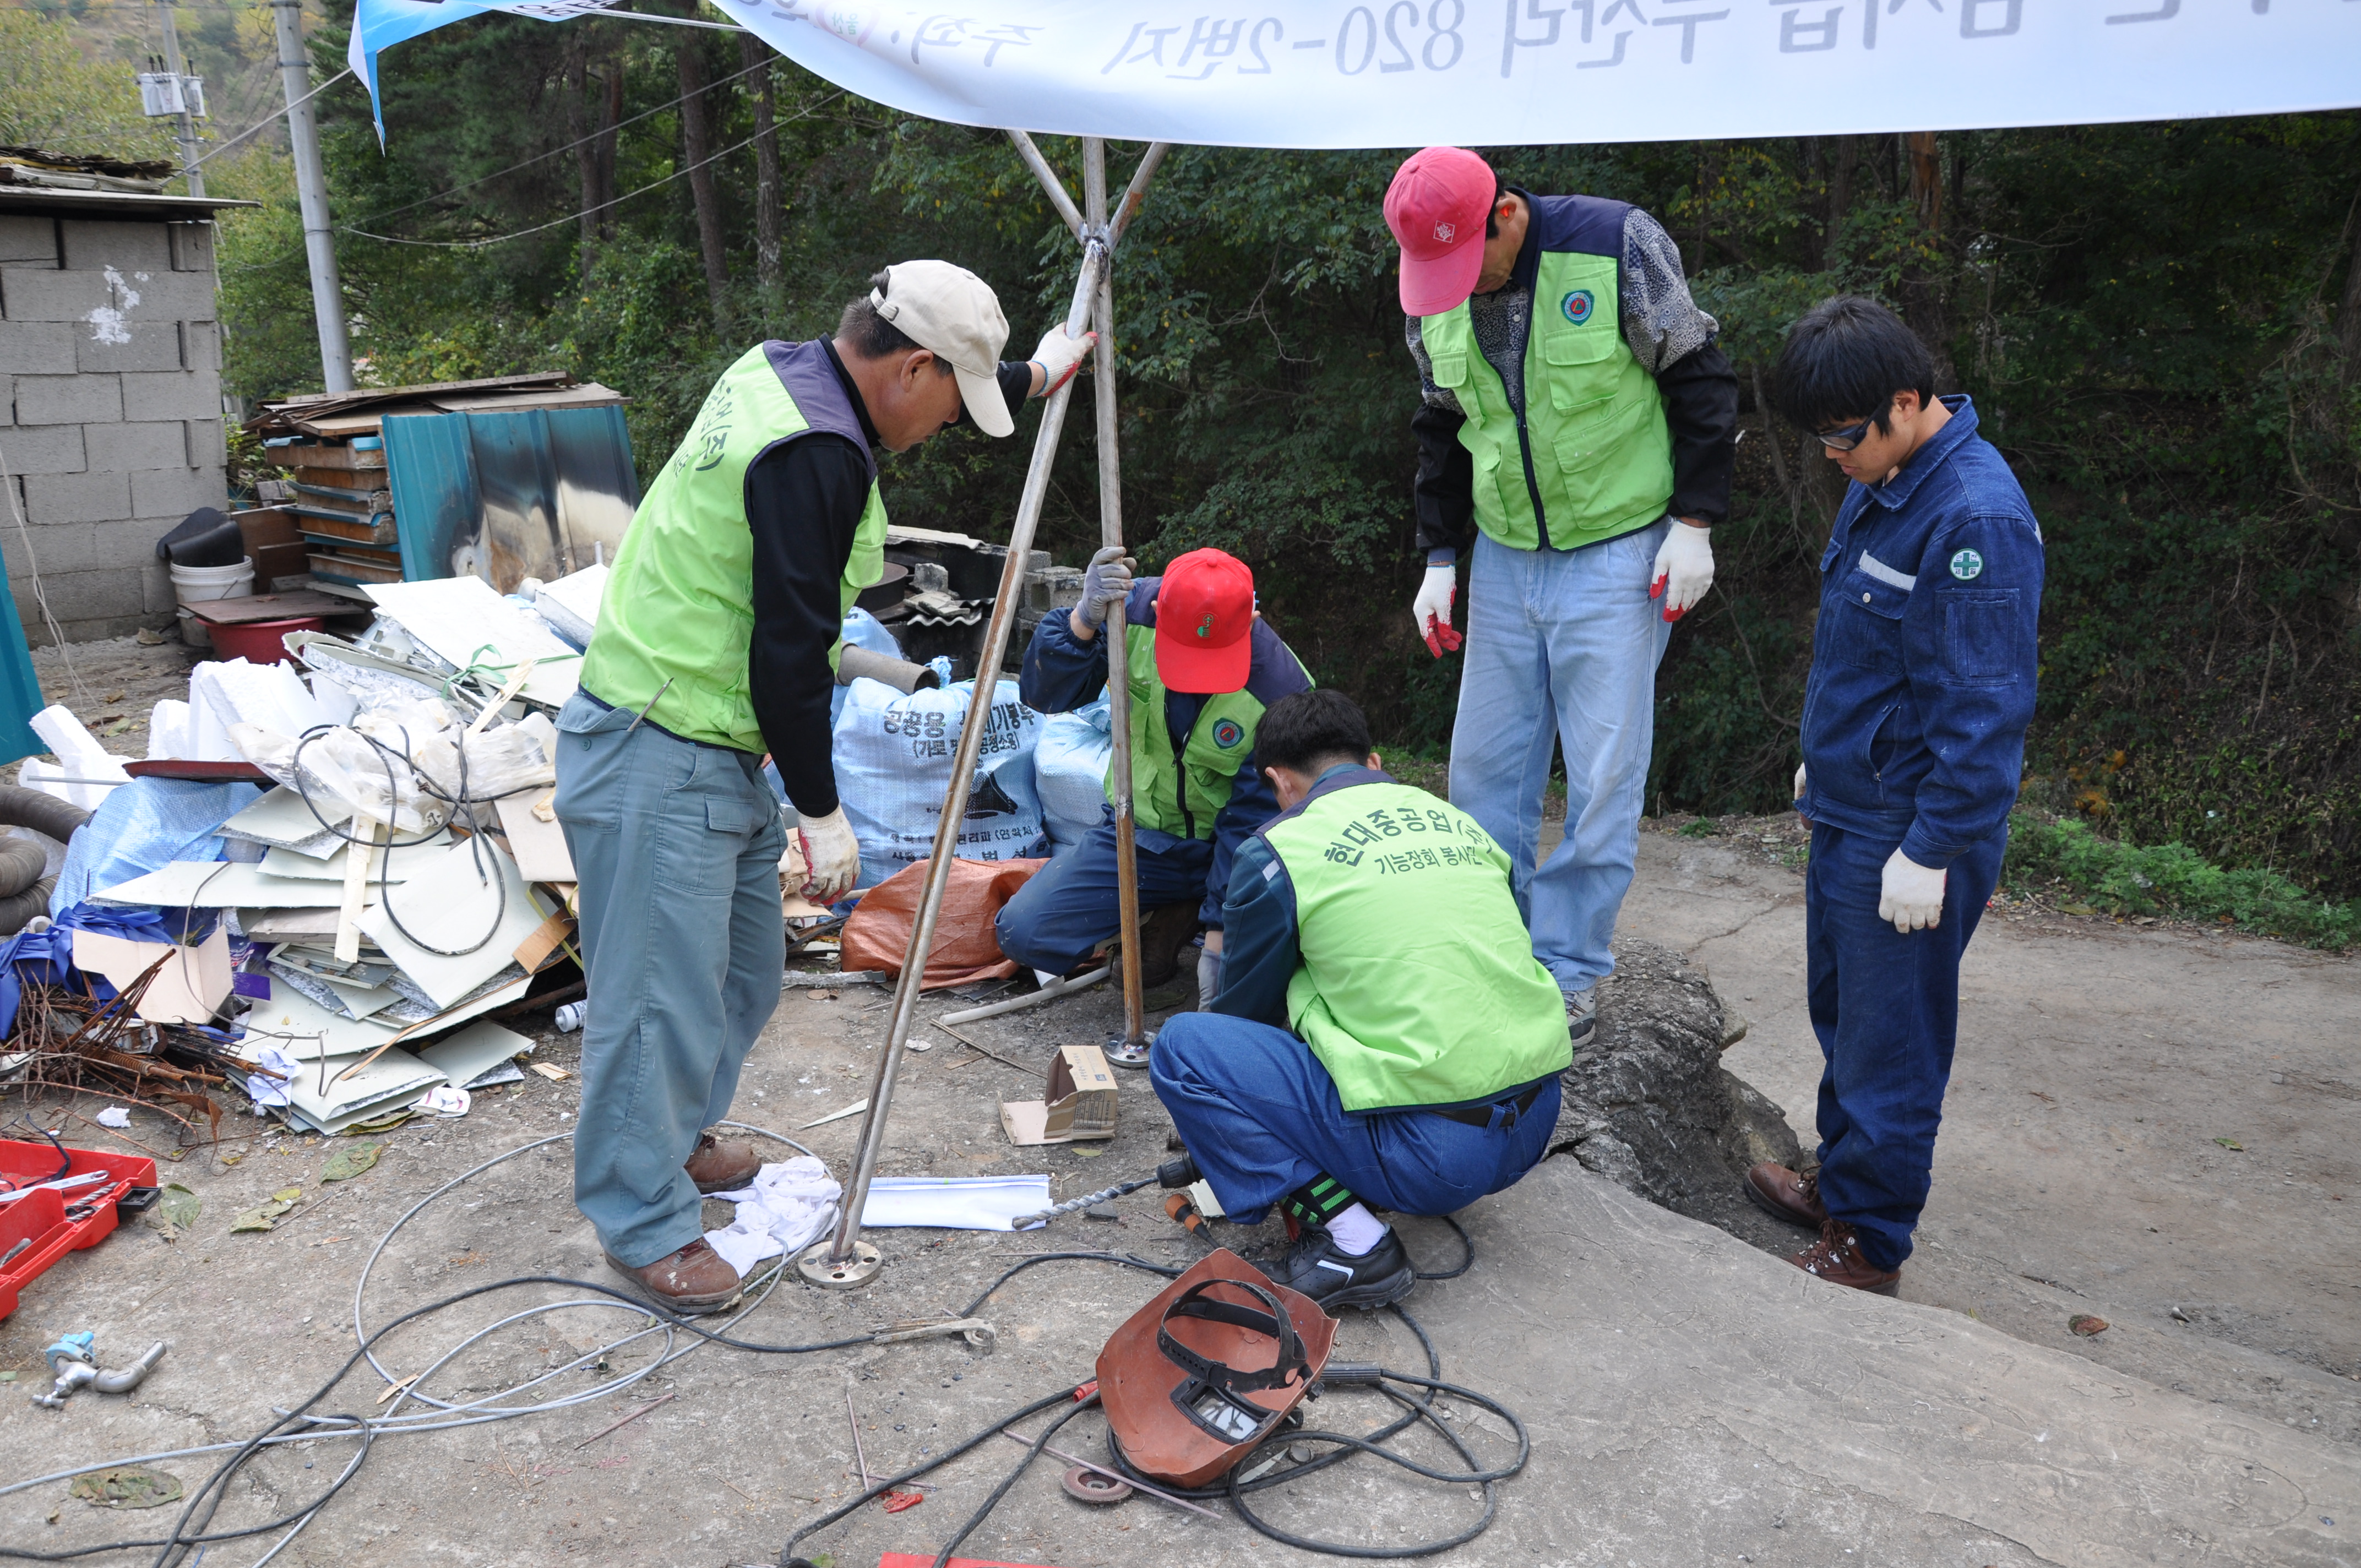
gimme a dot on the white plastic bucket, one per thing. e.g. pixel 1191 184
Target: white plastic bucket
pixel 194 584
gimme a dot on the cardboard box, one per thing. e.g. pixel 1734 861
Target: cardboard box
pixel 1079 1106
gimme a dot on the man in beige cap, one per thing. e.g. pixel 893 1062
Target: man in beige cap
pixel 716 642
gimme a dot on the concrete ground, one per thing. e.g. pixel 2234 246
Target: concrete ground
pixel 1691 1399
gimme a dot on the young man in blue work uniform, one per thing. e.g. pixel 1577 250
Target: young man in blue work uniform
pixel 1383 1034
pixel 1202 667
pixel 1577 425
pixel 1923 668
pixel 717 638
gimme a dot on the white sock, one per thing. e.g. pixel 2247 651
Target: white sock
pixel 1355 1230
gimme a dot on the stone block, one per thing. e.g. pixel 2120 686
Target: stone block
pixel 208 443
pixel 130 448
pixel 177 491
pixel 56 547
pixel 34 294
pixel 78 498
pixel 133 346
pixel 77 597
pixel 192 247
pixel 93 245
pixel 68 400
pixel 172 394
pixel 44 449
pixel 156 583
pixel 200 345
pixel 29 238
pixel 38 348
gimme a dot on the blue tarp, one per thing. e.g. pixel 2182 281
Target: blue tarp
pixel 144 826
pixel 20 692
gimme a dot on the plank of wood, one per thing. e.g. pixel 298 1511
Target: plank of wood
pixel 270 607
pixel 322 455
pixel 356 873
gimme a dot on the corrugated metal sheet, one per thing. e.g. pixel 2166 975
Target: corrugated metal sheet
pixel 510 494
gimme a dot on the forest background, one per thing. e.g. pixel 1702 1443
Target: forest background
pixel 2160 325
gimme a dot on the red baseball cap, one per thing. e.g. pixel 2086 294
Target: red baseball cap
pixel 1204 624
pixel 1436 207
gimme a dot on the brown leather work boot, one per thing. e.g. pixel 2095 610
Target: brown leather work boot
pixel 692 1281
pixel 1784 1195
pixel 1163 932
pixel 1836 1258
pixel 717 1166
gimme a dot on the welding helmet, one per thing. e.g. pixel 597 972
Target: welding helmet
pixel 1209 1369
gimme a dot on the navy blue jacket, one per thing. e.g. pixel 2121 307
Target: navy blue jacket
pixel 1063 673
pixel 1925 657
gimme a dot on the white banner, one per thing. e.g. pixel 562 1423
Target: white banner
pixel 1318 73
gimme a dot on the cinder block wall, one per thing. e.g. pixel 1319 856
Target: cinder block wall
pixel 110 413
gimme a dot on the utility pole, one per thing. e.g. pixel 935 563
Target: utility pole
pixel 185 122
pixel 311 193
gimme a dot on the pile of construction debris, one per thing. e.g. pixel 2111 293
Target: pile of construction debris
pixel 326 876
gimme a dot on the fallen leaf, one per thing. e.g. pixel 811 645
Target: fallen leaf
pixel 896 1501
pixel 127 1487
pixel 287 1194
pixel 553 1073
pixel 176 1205
pixel 1087 1151
pixel 260 1218
pixel 349 1162
pixel 2084 1324
pixel 2076 909
pixel 2232 1143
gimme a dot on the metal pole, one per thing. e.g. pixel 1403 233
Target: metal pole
pixel 1132 1049
pixel 186 123
pixel 312 195
pixel 844 1261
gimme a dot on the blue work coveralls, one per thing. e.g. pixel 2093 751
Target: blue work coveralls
pixel 1922 682
pixel 1068 907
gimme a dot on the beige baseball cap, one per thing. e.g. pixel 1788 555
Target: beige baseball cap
pixel 953 312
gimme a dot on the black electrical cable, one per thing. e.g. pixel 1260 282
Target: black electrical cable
pixel 942 1557
pixel 1467 1255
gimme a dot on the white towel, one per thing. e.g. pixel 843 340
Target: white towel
pixel 786 1209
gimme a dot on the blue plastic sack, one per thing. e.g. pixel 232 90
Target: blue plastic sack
pixel 893 752
pixel 1069 770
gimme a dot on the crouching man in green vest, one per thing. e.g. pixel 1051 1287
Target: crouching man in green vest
pixel 1383 1036
pixel 717 641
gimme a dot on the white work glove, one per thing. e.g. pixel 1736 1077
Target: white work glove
pixel 1209 978
pixel 1059 356
pixel 1105 584
pixel 1911 895
pixel 1799 793
pixel 1683 569
pixel 1431 610
pixel 832 855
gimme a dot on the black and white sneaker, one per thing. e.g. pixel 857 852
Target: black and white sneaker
pixel 1581 1016
pixel 1335 1280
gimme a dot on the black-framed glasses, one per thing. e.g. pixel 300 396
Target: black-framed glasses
pixel 1847 438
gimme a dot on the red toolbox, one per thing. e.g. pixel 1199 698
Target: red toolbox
pixel 57 1223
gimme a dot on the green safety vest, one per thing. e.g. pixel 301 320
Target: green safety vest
pixel 1593 430
pixel 679 602
pixel 1418 985
pixel 1181 791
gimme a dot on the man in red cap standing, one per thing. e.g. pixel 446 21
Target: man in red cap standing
pixel 1577 429
pixel 1202 667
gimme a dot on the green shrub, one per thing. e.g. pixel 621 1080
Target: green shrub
pixel 2169 879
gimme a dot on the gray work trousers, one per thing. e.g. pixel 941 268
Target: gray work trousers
pixel 676 847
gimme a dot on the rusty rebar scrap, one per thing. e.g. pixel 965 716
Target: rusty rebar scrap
pixel 626 1420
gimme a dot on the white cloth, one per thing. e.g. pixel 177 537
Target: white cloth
pixel 265 1090
pixel 785 1211
pixel 1305 76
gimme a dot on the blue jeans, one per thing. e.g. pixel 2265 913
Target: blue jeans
pixel 1561 650
pixel 1261 1118
pixel 1068 906
pixel 678 848
pixel 1886 1009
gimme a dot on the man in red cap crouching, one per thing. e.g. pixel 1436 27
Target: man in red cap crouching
pixel 1202 668
pixel 1577 429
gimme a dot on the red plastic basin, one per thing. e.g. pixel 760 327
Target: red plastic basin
pixel 258 642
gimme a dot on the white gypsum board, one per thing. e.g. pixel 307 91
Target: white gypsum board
pixel 461 619
pixel 213 884
pixel 474 1051
pixel 307 1031
pixel 282 817
pixel 279 862
pixel 453 898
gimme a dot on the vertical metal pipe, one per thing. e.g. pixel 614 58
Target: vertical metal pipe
pixel 311 196
pixel 1118 650
pixel 971 743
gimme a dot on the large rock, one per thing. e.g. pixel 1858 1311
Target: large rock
pixel 1648 1105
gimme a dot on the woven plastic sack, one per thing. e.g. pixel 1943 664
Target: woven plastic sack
pixel 965 948
pixel 1069 770
pixel 893 756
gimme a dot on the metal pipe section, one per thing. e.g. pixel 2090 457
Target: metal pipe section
pixel 971 743
pixel 184 124
pixel 311 196
pixel 1136 192
pixel 1049 182
pixel 1118 652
